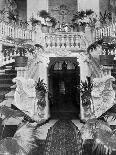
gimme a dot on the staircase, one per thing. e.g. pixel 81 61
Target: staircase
pixel 7 87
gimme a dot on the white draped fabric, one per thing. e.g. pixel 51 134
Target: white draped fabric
pixel 103 94
pixel 25 95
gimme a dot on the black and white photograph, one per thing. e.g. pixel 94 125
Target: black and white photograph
pixel 57 77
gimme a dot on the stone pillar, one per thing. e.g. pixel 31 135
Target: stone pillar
pixel 21 71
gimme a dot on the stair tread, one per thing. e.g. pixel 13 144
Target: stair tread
pixel 14 86
pixel 10 94
pixel 5 85
pixel 3 92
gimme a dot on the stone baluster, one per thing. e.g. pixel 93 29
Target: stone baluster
pixel 59 41
pixel 3 28
pixel 67 42
pixel 76 42
pixel 47 40
pixel 53 41
pixel 72 41
pixel 63 41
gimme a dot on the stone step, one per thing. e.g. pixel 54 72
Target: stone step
pixel 11 71
pixel 13 87
pixel 2 72
pixel 5 87
pixel 7 76
pixel 10 95
pixel 6 81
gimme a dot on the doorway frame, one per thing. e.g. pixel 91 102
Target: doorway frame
pixel 52 61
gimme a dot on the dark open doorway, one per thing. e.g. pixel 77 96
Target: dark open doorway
pixel 64 76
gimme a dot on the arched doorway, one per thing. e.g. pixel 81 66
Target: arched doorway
pixel 64 76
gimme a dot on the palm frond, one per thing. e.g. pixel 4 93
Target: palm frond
pixel 8 112
pixel 110 118
pixel 10 146
pixel 104 142
pixel 92 125
pixel 25 138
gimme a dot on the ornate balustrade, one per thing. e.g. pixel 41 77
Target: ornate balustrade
pixel 69 41
pixel 106 31
pixel 14 31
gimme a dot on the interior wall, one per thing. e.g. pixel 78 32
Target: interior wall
pixel 89 4
pixel 22 9
pixel 2 4
pixel 33 6
pixel 54 7
pixel 104 6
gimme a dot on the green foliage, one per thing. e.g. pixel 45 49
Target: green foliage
pixel 105 18
pixel 41 86
pixel 41 90
pixel 104 142
pixel 85 89
pixel 44 14
pixel 89 12
pixel 34 21
pixel 53 21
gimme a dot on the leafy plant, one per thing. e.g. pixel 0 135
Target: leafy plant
pixel 85 89
pixel 34 21
pixel 105 18
pixel 89 12
pixel 44 14
pixel 22 45
pixel 104 142
pixel 53 21
pixel 41 86
pixel 41 90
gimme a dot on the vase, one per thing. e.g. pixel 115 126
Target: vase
pixel 81 28
pixel 44 28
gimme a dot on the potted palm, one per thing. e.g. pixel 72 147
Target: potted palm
pixel 44 14
pixel 85 91
pixel 53 24
pixel 34 21
pixel 20 50
pixel 41 90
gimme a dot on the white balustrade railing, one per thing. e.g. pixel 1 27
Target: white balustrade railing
pixel 106 31
pixel 71 41
pixel 51 41
pixel 14 31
